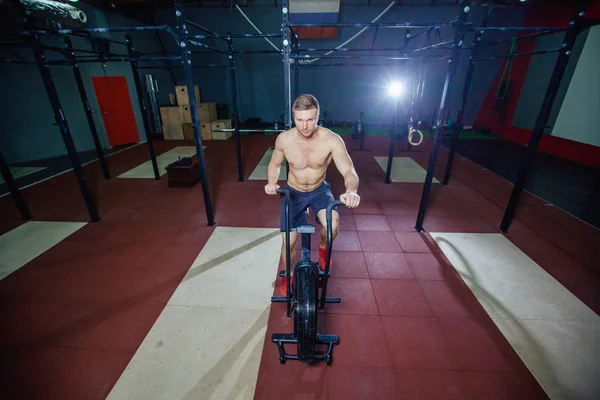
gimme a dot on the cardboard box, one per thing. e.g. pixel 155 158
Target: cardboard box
pixel 182 94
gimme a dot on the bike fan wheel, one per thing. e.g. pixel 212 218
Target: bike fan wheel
pixel 305 282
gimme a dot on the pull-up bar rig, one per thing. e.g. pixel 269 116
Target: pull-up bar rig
pixel 184 41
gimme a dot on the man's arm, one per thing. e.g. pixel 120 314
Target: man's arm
pixel 276 160
pixel 344 164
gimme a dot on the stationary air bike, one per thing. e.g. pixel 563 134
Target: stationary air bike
pixel 303 299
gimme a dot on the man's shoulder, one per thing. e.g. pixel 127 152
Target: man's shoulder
pixel 285 135
pixel 330 136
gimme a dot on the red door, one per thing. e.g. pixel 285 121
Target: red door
pixel 117 113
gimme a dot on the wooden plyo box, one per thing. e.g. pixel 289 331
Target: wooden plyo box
pixel 221 124
pixel 171 115
pixel 173 131
pixel 182 94
pixel 184 175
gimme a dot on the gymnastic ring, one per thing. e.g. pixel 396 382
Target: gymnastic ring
pixel 410 136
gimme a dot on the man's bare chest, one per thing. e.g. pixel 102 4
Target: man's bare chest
pixel 301 157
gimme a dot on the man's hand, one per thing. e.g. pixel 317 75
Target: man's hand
pixel 351 199
pixel 271 188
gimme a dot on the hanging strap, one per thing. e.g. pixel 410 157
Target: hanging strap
pixel 507 67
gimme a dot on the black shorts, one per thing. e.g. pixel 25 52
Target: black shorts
pixel 317 200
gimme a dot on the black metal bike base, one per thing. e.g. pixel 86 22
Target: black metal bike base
pixel 287 338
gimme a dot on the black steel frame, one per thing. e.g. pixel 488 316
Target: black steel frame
pixel 290 45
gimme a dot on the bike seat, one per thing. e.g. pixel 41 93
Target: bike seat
pixel 305 229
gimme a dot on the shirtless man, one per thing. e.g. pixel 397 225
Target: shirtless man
pixel 309 149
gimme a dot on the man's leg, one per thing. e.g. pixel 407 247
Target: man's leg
pixel 293 237
pixel 335 221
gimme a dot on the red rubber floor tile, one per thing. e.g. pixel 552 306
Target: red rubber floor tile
pixel 503 386
pixel 367 207
pixel 292 380
pixel 347 223
pixel 379 242
pixel 388 266
pixel 473 346
pixel 362 341
pixel 432 384
pixel 347 241
pixel 418 343
pixel 426 266
pixel 401 298
pixel 450 299
pixel 412 242
pixel 347 264
pixel 401 223
pixel 372 223
pixel 60 373
pixel 356 296
pixel 360 383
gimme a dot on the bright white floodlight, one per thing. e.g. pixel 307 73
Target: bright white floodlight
pixel 395 89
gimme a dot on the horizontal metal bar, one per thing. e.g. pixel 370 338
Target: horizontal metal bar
pixel 195 25
pixel 214 49
pixel 529 53
pixel 17 62
pixel 433 46
pixel 248 130
pixel 383 25
pixel 238 36
pixel 349 50
pixel 180 66
pixel 353 65
pixel 379 57
pixel 515 28
pixel 525 36
pixel 114 59
pixel 95 30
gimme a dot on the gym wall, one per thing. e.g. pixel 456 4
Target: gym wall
pixel 529 80
pixel 578 118
pixel 344 91
pixel 27 124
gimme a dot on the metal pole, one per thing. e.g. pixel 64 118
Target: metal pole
pixel 59 115
pixel 86 106
pixel 393 132
pixel 544 113
pixel 14 190
pixel 140 95
pixel 465 95
pixel 61 121
pixel 447 93
pixel 183 44
pixel 236 125
pixel 285 30
pixel 285 25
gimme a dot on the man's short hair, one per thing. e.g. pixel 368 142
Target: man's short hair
pixel 305 102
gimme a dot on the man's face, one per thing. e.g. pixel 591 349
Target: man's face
pixel 306 121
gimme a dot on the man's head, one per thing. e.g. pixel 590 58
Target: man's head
pixel 306 114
